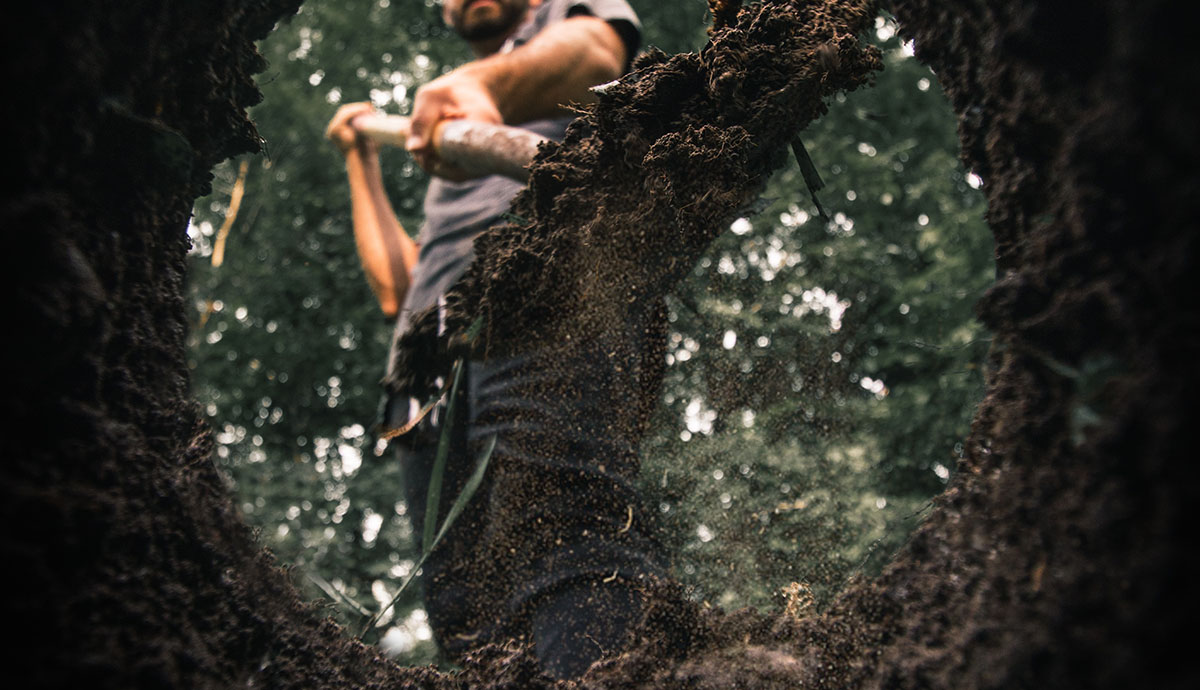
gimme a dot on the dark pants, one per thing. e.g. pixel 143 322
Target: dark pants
pixel 554 546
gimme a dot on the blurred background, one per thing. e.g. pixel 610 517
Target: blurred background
pixel 821 375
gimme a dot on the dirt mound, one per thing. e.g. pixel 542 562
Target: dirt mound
pixel 1060 556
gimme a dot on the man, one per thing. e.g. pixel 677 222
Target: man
pixel 573 587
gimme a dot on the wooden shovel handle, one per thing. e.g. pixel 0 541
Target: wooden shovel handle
pixel 476 147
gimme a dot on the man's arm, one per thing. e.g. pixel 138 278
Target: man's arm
pixel 533 81
pixel 387 253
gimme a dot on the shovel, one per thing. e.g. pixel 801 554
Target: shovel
pixel 478 148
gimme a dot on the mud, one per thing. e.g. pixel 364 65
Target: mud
pixel 1061 555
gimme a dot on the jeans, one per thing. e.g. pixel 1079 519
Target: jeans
pixel 554 546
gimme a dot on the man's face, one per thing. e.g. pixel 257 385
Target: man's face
pixel 481 20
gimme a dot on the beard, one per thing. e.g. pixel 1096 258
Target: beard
pixel 471 28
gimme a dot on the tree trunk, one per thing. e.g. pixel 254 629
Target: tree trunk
pixel 1057 557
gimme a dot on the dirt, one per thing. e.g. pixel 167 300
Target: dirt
pixel 611 220
pixel 646 179
pixel 129 566
pixel 1060 555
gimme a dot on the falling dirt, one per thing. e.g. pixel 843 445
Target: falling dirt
pixel 1060 555
pixel 611 220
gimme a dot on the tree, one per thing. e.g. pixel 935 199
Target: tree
pixel 286 345
pixel 1024 572
pixel 287 342
pixel 823 374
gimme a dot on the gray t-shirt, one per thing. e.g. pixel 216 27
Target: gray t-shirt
pixel 456 212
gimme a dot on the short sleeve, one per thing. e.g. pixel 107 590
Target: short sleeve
pixel 618 13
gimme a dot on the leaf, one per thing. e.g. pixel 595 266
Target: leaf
pixel 465 495
pixel 812 179
pixel 433 495
pixel 460 503
pixel 412 423
pixel 474 330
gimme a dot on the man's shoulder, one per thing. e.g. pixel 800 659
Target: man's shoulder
pixel 616 12
pixel 551 11
pixel 610 10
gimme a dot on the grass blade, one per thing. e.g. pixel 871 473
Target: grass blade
pixel 467 492
pixel 460 503
pixel 434 494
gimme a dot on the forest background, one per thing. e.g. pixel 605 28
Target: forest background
pixel 822 373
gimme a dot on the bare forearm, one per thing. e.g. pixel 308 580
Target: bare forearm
pixel 387 253
pixel 554 69
pixel 536 80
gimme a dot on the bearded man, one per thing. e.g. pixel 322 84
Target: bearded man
pixel 553 561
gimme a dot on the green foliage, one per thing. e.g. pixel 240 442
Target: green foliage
pixel 772 460
pixel 288 343
pixel 824 374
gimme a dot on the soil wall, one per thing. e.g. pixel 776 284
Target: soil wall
pixel 1060 555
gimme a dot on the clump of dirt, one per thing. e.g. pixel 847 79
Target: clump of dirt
pixel 1054 558
pixel 646 178
pixel 611 220
pixel 1053 553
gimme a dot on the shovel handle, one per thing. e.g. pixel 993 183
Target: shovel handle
pixel 479 148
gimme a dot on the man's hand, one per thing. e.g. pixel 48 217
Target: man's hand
pixel 341 128
pixel 461 94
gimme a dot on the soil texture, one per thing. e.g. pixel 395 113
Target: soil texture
pixel 1060 555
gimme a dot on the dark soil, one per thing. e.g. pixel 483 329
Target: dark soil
pixel 1060 556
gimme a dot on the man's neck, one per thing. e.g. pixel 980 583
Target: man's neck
pixel 491 46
